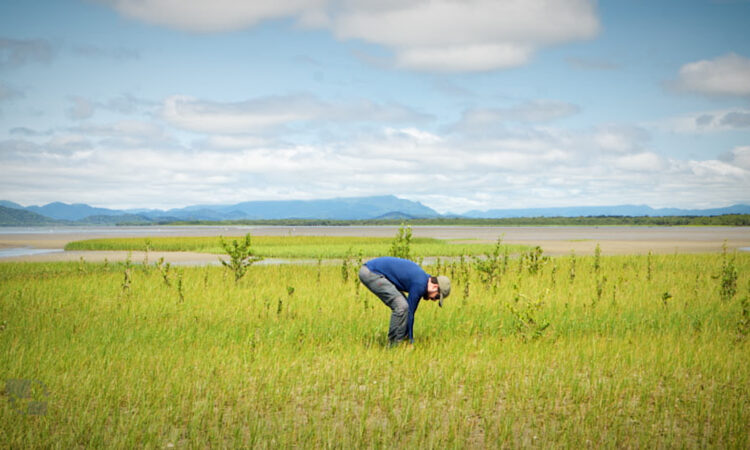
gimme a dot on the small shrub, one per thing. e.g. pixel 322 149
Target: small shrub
pixel 241 256
pixel 597 258
pixel 536 260
pixel 600 284
pixel 728 279
pixel 490 266
pixel 527 323
pixel 345 266
pixel 401 246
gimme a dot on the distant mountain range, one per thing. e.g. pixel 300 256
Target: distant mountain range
pixel 354 208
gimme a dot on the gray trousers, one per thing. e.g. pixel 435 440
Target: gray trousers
pixel 393 298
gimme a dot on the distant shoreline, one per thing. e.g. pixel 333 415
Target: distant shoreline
pixel 731 220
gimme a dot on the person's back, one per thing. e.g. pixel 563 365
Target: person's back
pixel 404 274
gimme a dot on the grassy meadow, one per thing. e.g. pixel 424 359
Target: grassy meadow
pixel 305 247
pixel 528 351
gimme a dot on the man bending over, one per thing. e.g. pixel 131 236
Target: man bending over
pixel 389 278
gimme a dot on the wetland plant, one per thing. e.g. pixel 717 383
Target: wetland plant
pixel 527 321
pixel 553 273
pixel 597 258
pixel 180 288
pixel 728 288
pixel 401 245
pixel 600 284
pixel 241 256
pixel 490 266
pixel 345 266
pixel 164 270
pixel 127 281
pixel 357 281
pixel 665 297
pixel 536 260
pixel 146 249
pixel 572 271
pixel 266 368
pixel 743 324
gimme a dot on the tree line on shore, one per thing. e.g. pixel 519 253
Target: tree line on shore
pixel 723 220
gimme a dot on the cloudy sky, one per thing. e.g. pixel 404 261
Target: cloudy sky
pixel 459 104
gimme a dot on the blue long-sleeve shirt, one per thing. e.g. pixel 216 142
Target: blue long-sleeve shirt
pixel 408 277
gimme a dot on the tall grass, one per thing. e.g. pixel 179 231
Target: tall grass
pixel 294 356
pixel 309 247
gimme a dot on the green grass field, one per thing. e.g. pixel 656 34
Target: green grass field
pixel 622 351
pixel 293 246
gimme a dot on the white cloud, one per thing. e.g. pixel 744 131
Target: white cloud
pixel 457 178
pixel 515 161
pixel 738 156
pixel 725 75
pixel 231 142
pixel 414 134
pixel 447 35
pixel 129 161
pixel 260 114
pixel 210 15
pixel 135 129
pixel 716 170
pixel 463 58
pixel 619 139
pixel 240 117
pixel 68 143
pixel 708 121
pixel 476 119
pixel 640 162
pixel 440 35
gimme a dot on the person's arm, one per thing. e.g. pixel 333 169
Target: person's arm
pixel 413 301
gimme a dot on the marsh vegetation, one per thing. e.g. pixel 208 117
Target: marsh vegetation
pixel 529 350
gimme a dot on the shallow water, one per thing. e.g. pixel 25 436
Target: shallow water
pixel 24 251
